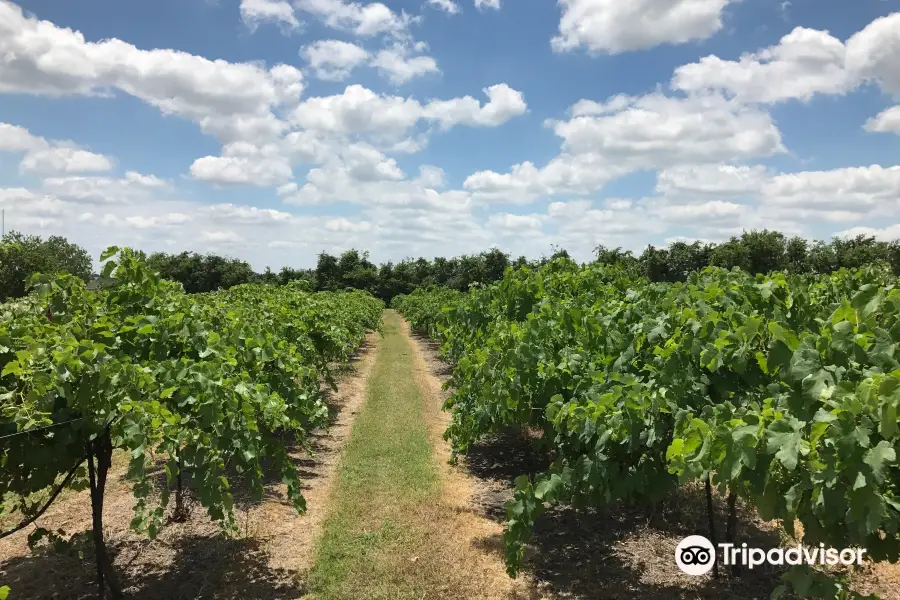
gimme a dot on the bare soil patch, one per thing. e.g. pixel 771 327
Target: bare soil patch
pixel 193 560
pixel 617 552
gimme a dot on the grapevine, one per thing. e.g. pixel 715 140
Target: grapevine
pixel 782 390
pixel 213 384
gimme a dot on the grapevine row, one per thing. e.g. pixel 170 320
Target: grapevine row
pixel 783 390
pixel 216 385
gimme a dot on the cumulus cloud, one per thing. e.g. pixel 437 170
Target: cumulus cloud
pixel 49 161
pixel 850 190
pixel 711 180
pixel 448 6
pixel 44 59
pixel 362 19
pixel 334 60
pixel 884 234
pixel 256 12
pixel 887 121
pixel 400 66
pixel 104 190
pixel 244 163
pixel 602 141
pixel 613 26
pixel 481 4
pixel 250 215
pixel 360 110
pixel 804 63
pixel 46 158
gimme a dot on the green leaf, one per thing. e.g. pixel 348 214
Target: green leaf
pixel 12 368
pixel 108 252
pixel 878 457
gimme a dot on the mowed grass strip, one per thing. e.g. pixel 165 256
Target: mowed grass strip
pixel 377 541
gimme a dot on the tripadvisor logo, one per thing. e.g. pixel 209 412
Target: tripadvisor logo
pixel 696 555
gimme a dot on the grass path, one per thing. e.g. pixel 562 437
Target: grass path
pixel 391 531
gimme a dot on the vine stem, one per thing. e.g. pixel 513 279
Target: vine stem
pixel 731 527
pixel 101 449
pixel 712 523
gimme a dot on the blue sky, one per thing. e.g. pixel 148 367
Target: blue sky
pixel 272 130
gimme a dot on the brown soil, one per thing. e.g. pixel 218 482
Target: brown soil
pixel 613 553
pixel 467 536
pixel 193 560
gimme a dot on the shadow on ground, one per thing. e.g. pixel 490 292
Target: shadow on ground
pixel 200 568
pixel 616 552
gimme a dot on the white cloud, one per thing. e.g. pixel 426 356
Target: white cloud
pixel 252 215
pixel 53 157
pixel 334 60
pixel 362 19
pixel 614 26
pixel 711 210
pixel 235 170
pixel 504 103
pixel 141 222
pixel 840 194
pixel 711 180
pixel 223 237
pixel 44 59
pixel 150 181
pixel 658 131
pixel 887 121
pixel 883 234
pixel 30 203
pixel 104 190
pixel 565 174
pixel 431 176
pixel 18 139
pixel 872 53
pixel 343 225
pixel 481 4
pixel 64 161
pixel 510 224
pixel 448 6
pixel 603 141
pixel 256 12
pixel 359 110
pixel 804 63
pixel 400 67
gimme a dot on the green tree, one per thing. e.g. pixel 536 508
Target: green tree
pixel 21 256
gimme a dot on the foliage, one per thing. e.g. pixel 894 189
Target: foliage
pixel 423 308
pixel 21 256
pixel 784 388
pixel 201 273
pixel 214 383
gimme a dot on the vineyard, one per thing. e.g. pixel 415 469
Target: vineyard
pixel 213 385
pixel 776 393
pixel 780 391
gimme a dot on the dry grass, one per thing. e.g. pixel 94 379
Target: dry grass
pixel 193 560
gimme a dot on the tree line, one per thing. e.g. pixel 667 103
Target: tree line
pixel 754 251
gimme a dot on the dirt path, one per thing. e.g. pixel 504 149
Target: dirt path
pixel 400 524
pixel 472 531
pixel 192 560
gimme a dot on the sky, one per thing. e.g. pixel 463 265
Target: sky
pixel 272 130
